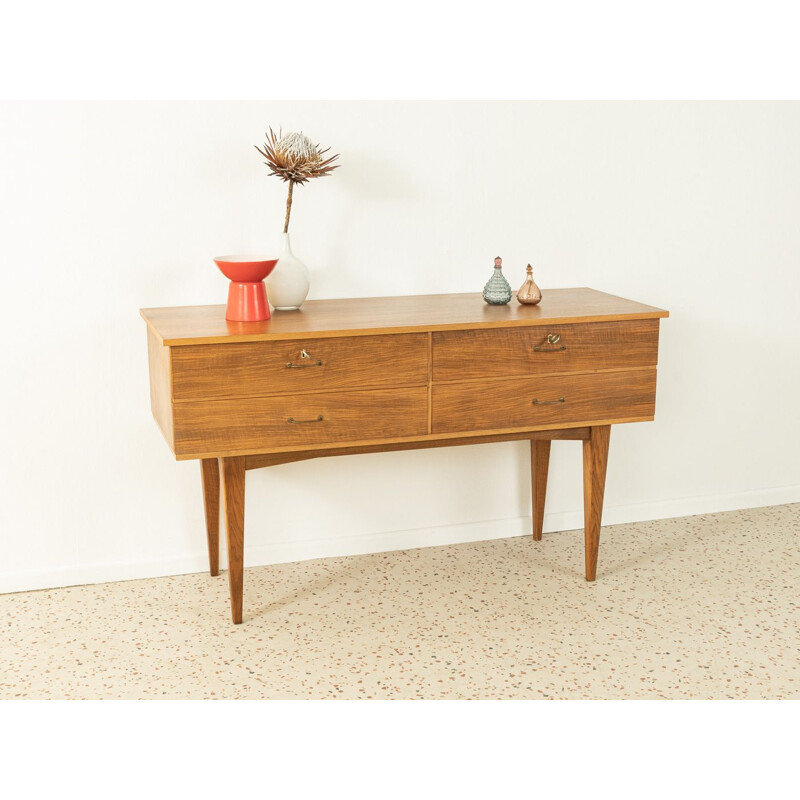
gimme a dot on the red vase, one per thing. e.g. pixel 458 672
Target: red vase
pixel 247 295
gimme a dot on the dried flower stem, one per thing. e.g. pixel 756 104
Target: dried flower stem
pixel 288 207
pixel 294 158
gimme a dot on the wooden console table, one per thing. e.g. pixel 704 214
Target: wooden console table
pixel 396 373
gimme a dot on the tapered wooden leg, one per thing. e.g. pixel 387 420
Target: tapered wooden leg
pixel 233 493
pixel 595 460
pixel 209 468
pixel 540 461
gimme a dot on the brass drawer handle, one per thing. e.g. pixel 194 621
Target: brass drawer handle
pixel 552 338
pixel 304 421
pixel 549 402
pixel 304 354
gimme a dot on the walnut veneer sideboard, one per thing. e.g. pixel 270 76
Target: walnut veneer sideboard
pixel 395 373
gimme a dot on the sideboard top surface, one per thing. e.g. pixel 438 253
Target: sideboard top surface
pixel 185 325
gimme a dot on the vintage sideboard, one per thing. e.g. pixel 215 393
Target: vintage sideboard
pixel 393 373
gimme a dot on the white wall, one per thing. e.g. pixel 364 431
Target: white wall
pixel 109 207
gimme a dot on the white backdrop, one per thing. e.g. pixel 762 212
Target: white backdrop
pixel 109 207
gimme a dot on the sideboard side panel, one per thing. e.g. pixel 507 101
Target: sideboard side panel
pixel 158 356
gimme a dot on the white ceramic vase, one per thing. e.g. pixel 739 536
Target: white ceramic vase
pixel 289 282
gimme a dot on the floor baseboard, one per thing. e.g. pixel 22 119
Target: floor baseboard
pixel 282 552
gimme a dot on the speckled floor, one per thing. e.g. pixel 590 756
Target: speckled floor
pixel 695 607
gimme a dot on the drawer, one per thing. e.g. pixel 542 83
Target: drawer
pixel 261 424
pixel 248 369
pixel 511 352
pixel 544 402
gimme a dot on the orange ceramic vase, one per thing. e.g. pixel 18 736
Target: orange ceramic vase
pixel 247 295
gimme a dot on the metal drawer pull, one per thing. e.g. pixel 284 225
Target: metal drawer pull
pixel 552 338
pixel 549 402
pixel 304 354
pixel 303 421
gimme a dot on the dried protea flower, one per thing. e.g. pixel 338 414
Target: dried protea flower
pixel 293 157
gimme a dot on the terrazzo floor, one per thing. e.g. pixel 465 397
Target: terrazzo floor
pixel 695 607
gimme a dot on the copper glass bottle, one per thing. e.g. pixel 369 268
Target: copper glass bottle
pixel 529 294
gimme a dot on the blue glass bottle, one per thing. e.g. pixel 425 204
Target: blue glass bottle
pixel 497 291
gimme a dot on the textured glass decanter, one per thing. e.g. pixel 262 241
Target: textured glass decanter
pixel 497 291
pixel 529 293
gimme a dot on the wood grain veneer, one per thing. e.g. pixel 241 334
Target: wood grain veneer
pixel 389 444
pixel 273 459
pixel 248 369
pixel 250 424
pixel 233 493
pixel 209 470
pixel 398 373
pixel 510 352
pixel 480 405
pixel 595 462
pixel 540 465
pixel 158 358
pixel 368 315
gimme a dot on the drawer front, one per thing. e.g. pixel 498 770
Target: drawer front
pixel 546 401
pixel 248 369
pixel 512 352
pixel 261 424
